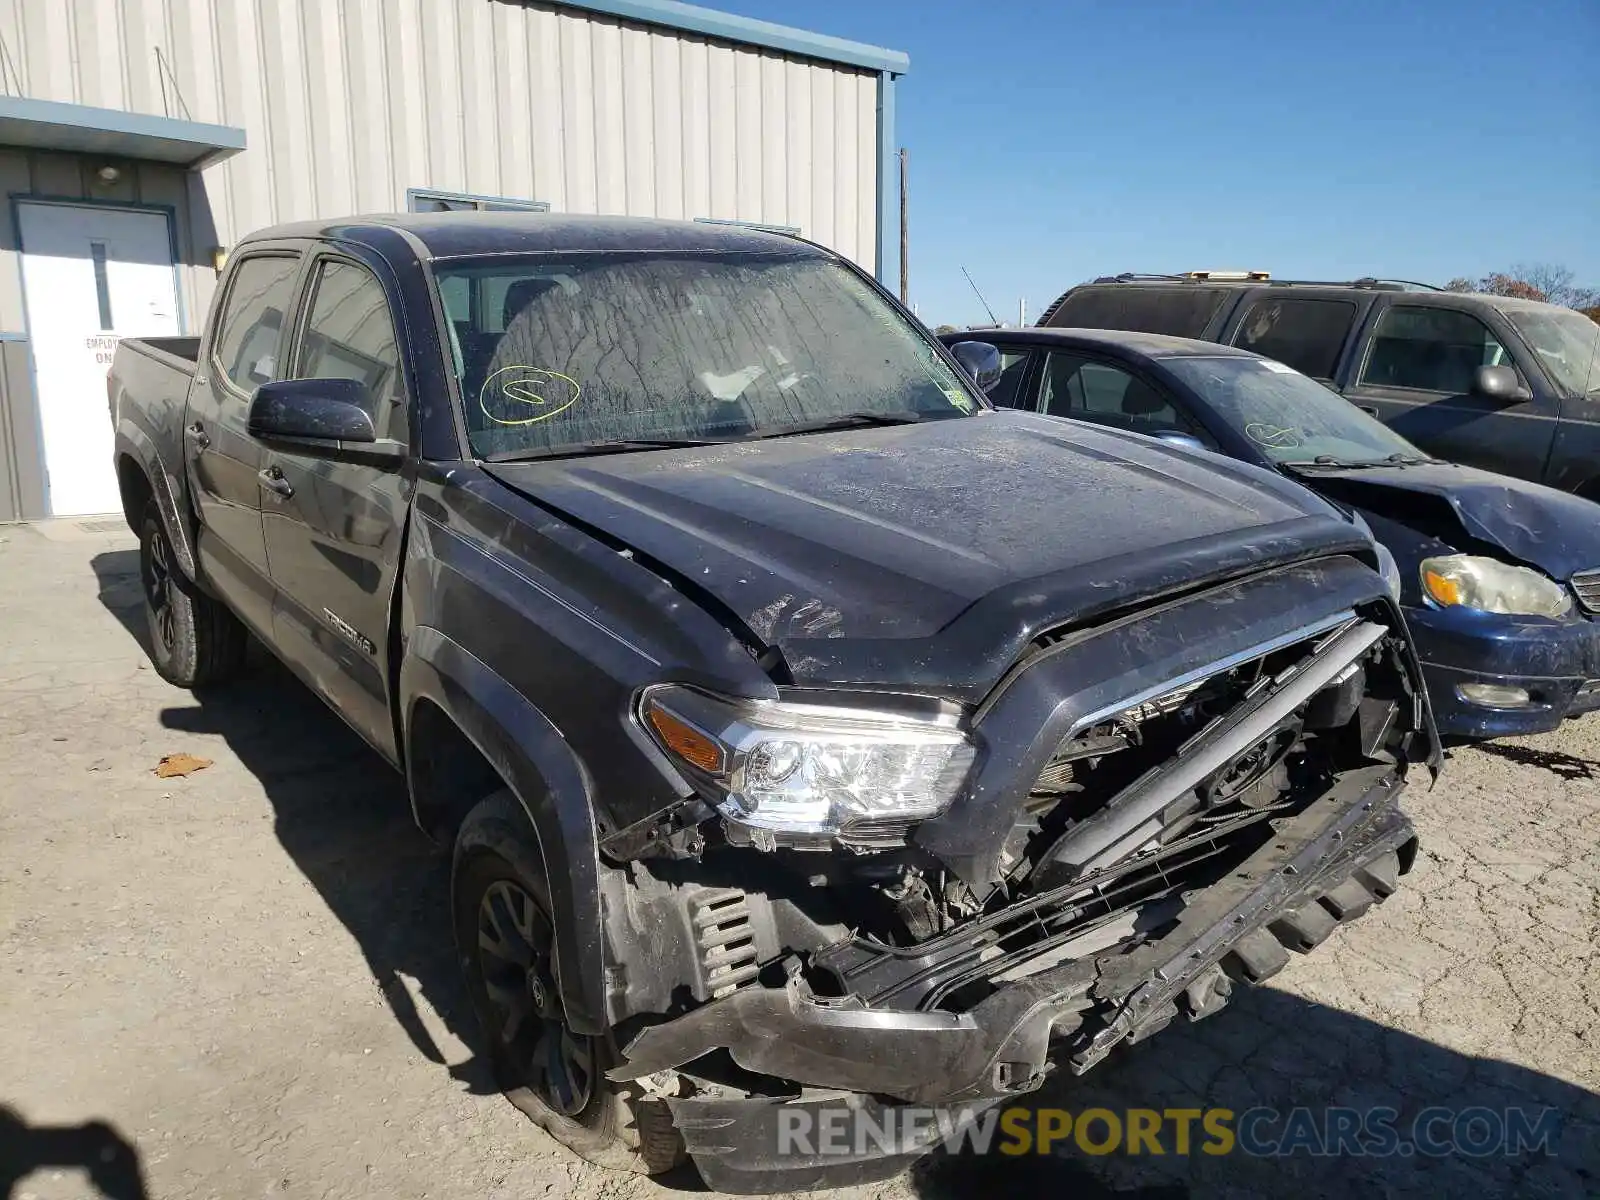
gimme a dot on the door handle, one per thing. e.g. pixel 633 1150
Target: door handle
pixel 272 479
pixel 197 434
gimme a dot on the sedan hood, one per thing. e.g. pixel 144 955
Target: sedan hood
pixel 967 535
pixel 1554 531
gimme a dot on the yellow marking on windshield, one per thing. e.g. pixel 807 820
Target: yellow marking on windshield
pixel 527 386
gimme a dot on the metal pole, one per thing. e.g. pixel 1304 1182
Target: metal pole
pixel 1022 311
pixel 905 243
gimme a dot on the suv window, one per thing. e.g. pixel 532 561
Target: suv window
pixel 350 335
pixel 251 333
pixel 1183 311
pixel 1304 334
pixel 1007 391
pixel 1432 349
pixel 1075 386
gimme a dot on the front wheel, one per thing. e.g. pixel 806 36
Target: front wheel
pixel 506 946
pixel 194 639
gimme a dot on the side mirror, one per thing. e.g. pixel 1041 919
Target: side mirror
pixel 320 418
pixel 1176 437
pixel 981 360
pixel 1498 383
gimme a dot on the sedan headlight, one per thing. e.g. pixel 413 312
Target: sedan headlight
pixel 800 774
pixel 1492 586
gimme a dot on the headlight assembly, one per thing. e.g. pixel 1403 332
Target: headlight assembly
pixel 1492 586
pixel 803 774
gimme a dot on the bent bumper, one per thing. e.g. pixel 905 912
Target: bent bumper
pixel 1557 663
pixel 1329 864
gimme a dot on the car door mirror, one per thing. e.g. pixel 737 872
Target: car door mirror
pixel 320 418
pixel 1498 383
pixel 981 360
pixel 1176 437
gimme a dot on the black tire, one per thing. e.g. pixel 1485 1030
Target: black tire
pixel 613 1125
pixel 194 640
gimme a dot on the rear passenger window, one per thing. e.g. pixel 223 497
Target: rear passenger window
pixel 1304 334
pixel 350 335
pixel 251 334
pixel 1432 349
pixel 1184 311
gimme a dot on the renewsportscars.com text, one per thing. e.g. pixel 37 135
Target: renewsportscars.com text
pixel 1378 1132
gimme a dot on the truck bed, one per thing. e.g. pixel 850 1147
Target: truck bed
pixel 148 392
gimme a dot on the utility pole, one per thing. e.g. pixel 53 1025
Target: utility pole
pixel 905 242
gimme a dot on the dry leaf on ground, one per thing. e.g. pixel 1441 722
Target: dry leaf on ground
pixel 180 764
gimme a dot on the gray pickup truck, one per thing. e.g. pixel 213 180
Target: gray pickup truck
pixel 809 733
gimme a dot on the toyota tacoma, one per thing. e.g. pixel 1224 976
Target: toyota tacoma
pixel 808 732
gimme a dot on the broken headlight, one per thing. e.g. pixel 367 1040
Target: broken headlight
pixel 1493 586
pixel 799 773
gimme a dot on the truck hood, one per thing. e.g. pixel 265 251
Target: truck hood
pixel 968 536
pixel 1554 531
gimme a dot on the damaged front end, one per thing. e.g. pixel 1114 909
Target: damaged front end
pixel 1137 816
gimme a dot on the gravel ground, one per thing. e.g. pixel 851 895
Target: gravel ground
pixel 239 983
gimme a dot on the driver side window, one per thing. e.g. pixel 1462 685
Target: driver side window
pixel 1430 349
pixel 349 334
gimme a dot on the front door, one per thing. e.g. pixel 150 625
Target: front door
pixel 1417 375
pixel 90 274
pixel 334 530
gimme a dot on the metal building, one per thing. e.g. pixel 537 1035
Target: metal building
pixel 140 138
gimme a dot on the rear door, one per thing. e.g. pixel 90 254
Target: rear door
pixel 224 462
pixel 334 529
pixel 1415 370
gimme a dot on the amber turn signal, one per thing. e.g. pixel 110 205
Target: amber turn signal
pixel 1442 588
pixel 684 740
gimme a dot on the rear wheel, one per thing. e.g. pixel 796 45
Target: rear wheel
pixel 194 639
pixel 505 940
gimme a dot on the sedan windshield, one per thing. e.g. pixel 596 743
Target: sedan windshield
pixel 1567 343
pixel 1289 417
pixel 597 352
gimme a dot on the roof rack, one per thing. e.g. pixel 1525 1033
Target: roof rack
pixel 1265 277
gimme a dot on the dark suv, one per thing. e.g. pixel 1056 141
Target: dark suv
pixel 1509 385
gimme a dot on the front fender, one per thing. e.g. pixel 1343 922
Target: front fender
pixel 552 787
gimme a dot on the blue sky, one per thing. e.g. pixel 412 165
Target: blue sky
pixel 1058 139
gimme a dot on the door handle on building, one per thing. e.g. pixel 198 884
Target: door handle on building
pixel 272 479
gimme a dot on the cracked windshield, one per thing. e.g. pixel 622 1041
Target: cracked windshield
pixel 599 350
pixel 1290 416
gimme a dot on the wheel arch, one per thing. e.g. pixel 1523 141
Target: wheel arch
pixel 142 477
pixel 465 727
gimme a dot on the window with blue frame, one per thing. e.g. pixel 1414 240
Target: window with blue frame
pixel 427 200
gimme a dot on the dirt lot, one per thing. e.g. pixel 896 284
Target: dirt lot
pixel 245 973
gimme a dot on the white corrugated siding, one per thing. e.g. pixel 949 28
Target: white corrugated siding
pixel 347 103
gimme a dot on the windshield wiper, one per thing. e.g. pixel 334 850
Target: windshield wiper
pixel 853 420
pixel 1332 463
pixel 618 446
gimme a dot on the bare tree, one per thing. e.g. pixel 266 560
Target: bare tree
pixel 1532 281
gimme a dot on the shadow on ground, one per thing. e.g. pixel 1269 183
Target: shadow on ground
pixel 341 813
pixel 1565 766
pixel 108 1159
pixel 1272 1050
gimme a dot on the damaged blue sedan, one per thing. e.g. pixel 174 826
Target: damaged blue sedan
pixel 1499 578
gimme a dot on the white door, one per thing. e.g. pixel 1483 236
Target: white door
pixel 91 275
